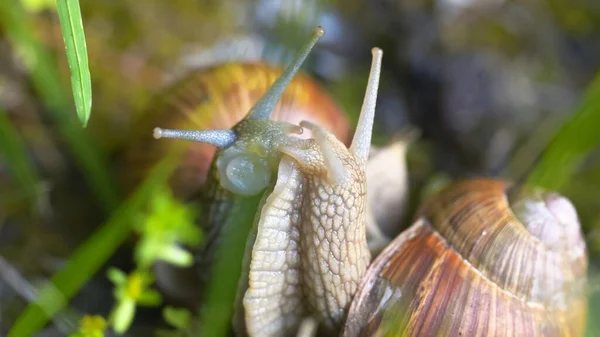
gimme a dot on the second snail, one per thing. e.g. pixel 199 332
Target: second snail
pixel 482 257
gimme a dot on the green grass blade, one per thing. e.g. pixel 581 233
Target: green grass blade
pixel 15 155
pixel 46 81
pixel 71 26
pixel 217 311
pixel 573 142
pixel 92 254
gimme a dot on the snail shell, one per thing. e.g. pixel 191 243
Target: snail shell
pixel 481 259
pixel 218 98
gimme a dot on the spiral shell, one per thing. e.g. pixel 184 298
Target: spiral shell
pixel 217 98
pixel 481 259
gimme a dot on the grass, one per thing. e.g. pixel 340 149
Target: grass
pixel 577 137
pixel 216 313
pixel 69 15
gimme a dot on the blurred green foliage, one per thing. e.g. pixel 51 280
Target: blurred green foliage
pixel 91 326
pixel 38 5
pixel 167 224
pixel 88 258
pixel 12 150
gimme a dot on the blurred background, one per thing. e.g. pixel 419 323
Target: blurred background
pixel 487 82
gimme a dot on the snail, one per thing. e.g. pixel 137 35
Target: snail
pixel 218 96
pixel 482 258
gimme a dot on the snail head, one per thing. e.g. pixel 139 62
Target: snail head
pixel 249 152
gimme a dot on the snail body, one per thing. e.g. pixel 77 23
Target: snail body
pixel 323 187
pixel 481 258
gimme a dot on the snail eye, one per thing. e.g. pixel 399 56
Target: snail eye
pixel 243 173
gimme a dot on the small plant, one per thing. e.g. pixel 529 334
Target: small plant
pixel 91 326
pixel 130 291
pixel 180 319
pixel 162 229
pixel 168 224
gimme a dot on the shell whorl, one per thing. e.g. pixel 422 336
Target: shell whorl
pixel 500 229
pixel 469 267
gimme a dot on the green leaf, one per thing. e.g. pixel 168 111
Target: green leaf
pixel 217 312
pixel 150 298
pixel 71 26
pixel 179 318
pixel 175 255
pixel 573 142
pixel 123 315
pixel 92 254
pixel 116 276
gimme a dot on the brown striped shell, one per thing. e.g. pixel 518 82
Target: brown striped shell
pixel 481 259
pixel 217 98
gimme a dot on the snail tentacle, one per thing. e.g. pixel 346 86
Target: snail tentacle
pixel 336 171
pixel 361 143
pixel 263 108
pixel 218 138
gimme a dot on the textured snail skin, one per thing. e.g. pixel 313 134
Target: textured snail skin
pixel 334 248
pixel 311 244
pixel 470 267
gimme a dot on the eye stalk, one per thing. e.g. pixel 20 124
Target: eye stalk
pixel 250 150
pixel 218 138
pixel 263 108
